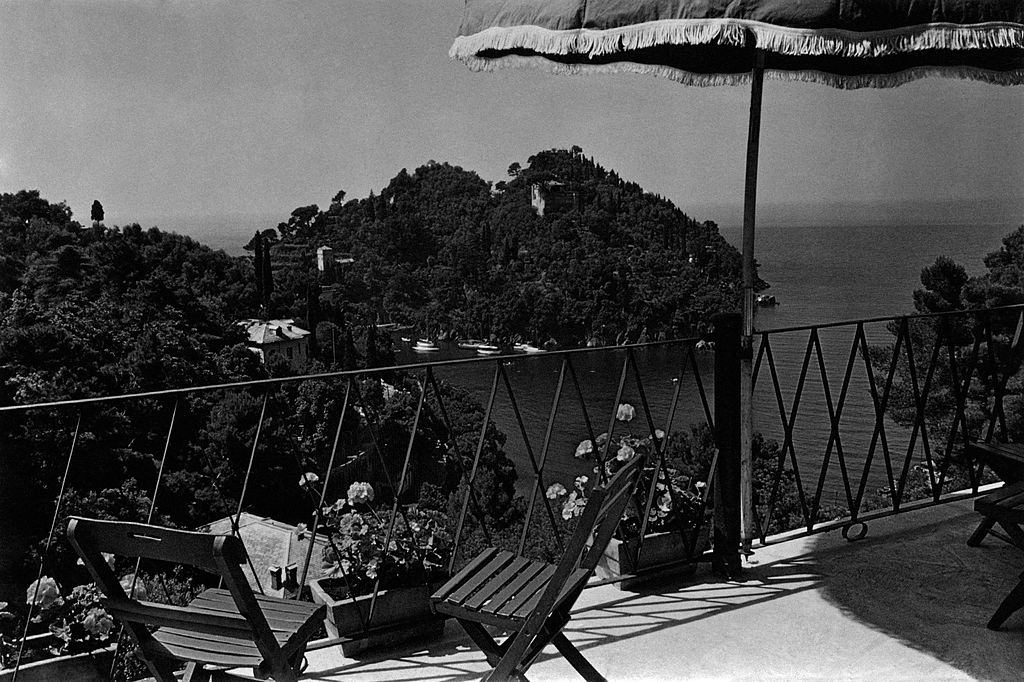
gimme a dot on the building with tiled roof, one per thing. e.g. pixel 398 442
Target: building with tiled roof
pixel 278 340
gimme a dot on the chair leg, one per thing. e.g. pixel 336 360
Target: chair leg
pixel 492 650
pixel 576 659
pixel 1012 602
pixel 1015 533
pixel 195 673
pixel 979 534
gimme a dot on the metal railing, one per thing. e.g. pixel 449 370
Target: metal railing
pixel 876 413
pixel 407 425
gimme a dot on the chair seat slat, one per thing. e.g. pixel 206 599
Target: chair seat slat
pixel 471 585
pixel 527 590
pixel 506 593
pixel 496 582
pixel 468 570
pixel 579 576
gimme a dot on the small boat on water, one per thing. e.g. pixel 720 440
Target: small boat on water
pixel 526 348
pixel 487 349
pixel 766 300
pixel 425 346
pixel 471 344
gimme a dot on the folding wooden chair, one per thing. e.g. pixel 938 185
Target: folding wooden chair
pixel 531 599
pixel 227 628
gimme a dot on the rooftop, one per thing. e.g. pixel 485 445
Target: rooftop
pixel 272 331
pixel 908 602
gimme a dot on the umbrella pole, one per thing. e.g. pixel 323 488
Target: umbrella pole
pixel 747 340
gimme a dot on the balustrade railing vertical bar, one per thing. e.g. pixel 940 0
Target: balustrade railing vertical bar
pixel 543 458
pixel 472 474
pixel 699 381
pixel 252 459
pixel 766 350
pixel 149 520
pixel 615 407
pixel 919 427
pixel 453 444
pixel 537 473
pixel 835 413
pixel 835 419
pixel 323 489
pixel 960 389
pixel 602 476
pixel 398 491
pixel 880 408
pixel 787 445
pixel 49 543
pixel 660 467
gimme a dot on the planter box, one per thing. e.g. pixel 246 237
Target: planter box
pixel 92 666
pixel 399 615
pixel 662 552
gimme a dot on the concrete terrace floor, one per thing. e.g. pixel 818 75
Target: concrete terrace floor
pixel 908 602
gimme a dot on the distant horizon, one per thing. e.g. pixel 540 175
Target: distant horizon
pixel 728 217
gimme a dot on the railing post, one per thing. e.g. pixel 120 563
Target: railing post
pixel 728 355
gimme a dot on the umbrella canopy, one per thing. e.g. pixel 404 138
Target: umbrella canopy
pixel 842 43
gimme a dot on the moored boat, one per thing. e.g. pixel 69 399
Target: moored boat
pixel 425 346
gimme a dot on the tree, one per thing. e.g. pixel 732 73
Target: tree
pixel 96 215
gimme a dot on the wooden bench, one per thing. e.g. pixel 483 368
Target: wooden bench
pixel 1005 506
pixel 1007 461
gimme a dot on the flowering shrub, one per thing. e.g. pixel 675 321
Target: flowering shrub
pixel 418 550
pixel 680 505
pixel 77 621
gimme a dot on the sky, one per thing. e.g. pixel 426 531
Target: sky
pixel 208 108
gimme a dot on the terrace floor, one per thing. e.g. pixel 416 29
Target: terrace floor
pixel 908 602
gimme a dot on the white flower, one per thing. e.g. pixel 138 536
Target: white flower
pixel 583 449
pixel 140 589
pixel 554 490
pixel 700 484
pixel 98 622
pixel 307 479
pixel 659 434
pixel 625 453
pixel 625 413
pixel 360 493
pixel 42 593
pixel 581 481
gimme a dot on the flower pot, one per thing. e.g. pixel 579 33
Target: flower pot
pixel 92 666
pixel 399 614
pixel 663 554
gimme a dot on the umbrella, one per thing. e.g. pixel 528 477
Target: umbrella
pixel 841 43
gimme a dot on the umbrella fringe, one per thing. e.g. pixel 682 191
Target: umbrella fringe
pixel 842 81
pixel 736 33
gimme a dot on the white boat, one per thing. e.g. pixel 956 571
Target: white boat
pixel 527 348
pixel 487 349
pixel 471 344
pixel 425 346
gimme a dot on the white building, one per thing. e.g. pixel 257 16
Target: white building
pixel 278 340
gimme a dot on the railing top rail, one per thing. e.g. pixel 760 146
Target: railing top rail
pixel 887 318
pixel 277 381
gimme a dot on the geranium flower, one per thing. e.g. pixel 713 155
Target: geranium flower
pixel 360 493
pixel 98 622
pixel 554 490
pixel 140 589
pixel 659 434
pixel 581 481
pixel 625 413
pixel 625 453
pixel 583 449
pixel 43 593
pixel 308 479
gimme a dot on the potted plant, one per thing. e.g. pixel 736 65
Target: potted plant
pixel 677 528
pixel 71 635
pixel 363 566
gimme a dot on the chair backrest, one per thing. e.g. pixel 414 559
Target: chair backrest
pixel 220 555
